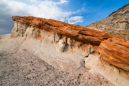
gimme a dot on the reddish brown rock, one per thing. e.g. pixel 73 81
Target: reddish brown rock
pixel 116 52
pixel 76 32
pixel 123 22
pixel 112 49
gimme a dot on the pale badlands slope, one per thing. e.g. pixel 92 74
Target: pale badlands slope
pixel 33 59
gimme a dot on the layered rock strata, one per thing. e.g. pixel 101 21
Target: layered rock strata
pixel 76 32
pixel 117 23
pixel 80 40
pixel 67 35
pixel 115 52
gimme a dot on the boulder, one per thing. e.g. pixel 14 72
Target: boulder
pixel 116 52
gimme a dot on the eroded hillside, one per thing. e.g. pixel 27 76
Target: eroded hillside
pixel 72 50
pixel 117 23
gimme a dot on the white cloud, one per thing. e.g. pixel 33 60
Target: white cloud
pixel 63 1
pixel 38 8
pixel 75 19
pixel 32 0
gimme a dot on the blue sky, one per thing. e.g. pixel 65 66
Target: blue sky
pixel 80 12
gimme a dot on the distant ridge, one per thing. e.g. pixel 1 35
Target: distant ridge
pixel 117 23
pixel 119 9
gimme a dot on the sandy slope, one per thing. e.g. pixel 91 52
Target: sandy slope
pixel 20 62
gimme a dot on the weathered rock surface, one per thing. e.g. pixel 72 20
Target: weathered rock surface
pixel 74 43
pixel 76 32
pixel 117 23
pixel 20 66
pixel 116 52
pixel 80 39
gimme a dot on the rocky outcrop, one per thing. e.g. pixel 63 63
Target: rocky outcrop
pixel 116 52
pixel 76 32
pixel 80 41
pixel 67 36
pixel 117 23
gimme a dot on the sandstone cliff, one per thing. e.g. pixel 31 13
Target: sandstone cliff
pixel 117 23
pixel 112 52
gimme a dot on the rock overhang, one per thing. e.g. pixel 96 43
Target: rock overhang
pixel 100 39
pixel 74 31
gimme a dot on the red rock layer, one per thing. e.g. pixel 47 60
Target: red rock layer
pixel 112 49
pixel 123 22
pixel 116 52
pixel 76 32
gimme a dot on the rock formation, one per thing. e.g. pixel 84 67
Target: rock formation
pixel 117 23
pixel 76 32
pixel 76 39
pixel 116 52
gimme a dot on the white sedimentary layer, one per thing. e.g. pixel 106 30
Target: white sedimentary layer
pixel 63 52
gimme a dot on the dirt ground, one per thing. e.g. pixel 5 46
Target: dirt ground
pixel 23 68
